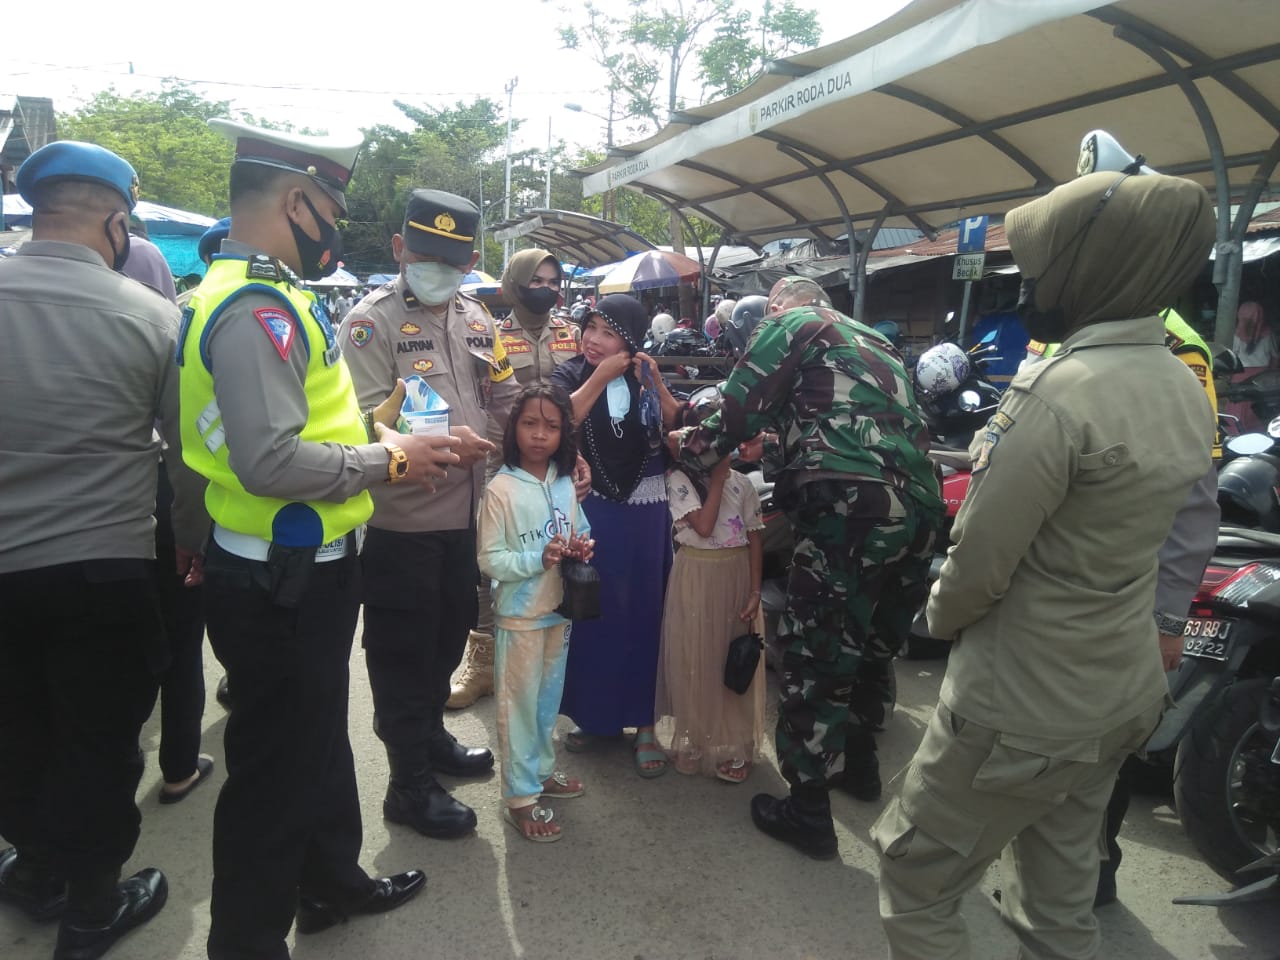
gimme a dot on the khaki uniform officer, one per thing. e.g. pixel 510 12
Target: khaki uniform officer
pixel 269 416
pixel 419 560
pixel 1056 672
pixel 535 342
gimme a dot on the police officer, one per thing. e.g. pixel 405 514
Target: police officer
pixel 536 341
pixel 81 641
pixel 1056 673
pixel 269 416
pixel 419 560
pixel 864 503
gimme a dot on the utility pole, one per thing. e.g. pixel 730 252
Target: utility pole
pixel 509 89
pixel 547 202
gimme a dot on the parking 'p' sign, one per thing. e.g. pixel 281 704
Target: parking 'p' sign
pixel 973 235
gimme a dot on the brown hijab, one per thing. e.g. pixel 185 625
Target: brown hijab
pixel 1130 259
pixel 520 270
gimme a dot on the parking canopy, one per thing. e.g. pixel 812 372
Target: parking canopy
pixel 954 108
pixel 577 237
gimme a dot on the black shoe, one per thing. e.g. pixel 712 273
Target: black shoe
pixel 42 895
pixel 428 808
pixel 141 897
pixel 451 758
pixel 861 777
pixel 1106 892
pixel 223 693
pixel 388 893
pixel 803 823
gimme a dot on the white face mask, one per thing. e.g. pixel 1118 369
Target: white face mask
pixel 433 283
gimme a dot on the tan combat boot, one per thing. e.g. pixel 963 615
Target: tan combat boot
pixel 476 680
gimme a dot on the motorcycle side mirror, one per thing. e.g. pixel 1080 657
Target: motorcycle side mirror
pixel 1247 444
pixel 1227 362
pixel 1273 429
pixel 971 400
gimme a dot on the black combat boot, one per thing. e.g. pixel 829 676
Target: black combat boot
pixel 36 889
pixel 861 775
pixel 802 819
pixel 416 799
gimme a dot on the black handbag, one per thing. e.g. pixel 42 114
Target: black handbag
pixel 741 662
pixel 581 590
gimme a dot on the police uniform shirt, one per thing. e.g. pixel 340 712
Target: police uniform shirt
pixel 534 356
pixel 389 334
pixel 86 371
pixel 259 388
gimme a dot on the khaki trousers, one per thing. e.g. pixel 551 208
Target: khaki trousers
pixel 970 793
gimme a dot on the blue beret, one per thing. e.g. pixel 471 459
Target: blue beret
pixel 72 160
pixel 211 239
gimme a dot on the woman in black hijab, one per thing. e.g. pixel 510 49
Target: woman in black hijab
pixel 623 410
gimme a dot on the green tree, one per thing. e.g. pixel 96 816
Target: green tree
pixel 739 51
pixel 180 161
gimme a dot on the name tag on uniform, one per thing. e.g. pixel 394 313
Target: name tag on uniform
pixel 333 354
pixel 333 550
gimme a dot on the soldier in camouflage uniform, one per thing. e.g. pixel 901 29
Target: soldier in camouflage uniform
pixel 865 504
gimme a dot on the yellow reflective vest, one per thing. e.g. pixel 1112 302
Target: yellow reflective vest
pixel 333 413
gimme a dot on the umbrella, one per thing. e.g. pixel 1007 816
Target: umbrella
pixel 653 268
pixel 478 276
pixel 160 219
pixel 339 278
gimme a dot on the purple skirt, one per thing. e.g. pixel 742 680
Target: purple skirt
pixel 612 668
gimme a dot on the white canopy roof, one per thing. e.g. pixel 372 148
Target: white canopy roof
pixel 956 108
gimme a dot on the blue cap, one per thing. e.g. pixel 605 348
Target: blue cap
pixel 211 239
pixel 72 160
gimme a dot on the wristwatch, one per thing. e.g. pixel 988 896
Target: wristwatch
pixel 1169 624
pixel 397 465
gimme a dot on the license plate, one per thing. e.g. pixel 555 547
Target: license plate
pixel 1207 639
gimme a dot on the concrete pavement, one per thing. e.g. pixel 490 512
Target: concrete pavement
pixel 664 869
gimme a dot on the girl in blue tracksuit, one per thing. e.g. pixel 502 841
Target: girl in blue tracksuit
pixel 529 520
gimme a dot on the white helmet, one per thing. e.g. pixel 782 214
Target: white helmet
pixel 662 325
pixel 941 369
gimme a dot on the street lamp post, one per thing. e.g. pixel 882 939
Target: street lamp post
pixel 606 201
pixel 547 203
pixel 509 89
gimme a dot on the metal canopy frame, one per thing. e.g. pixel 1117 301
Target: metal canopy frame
pixel 577 237
pixel 935 59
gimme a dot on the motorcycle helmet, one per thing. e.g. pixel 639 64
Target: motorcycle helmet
pixel 941 369
pixel 746 316
pixel 662 325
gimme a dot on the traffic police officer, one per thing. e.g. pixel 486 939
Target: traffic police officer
pixel 269 416
pixel 863 500
pixel 536 341
pixel 81 641
pixel 419 560
pixel 1055 675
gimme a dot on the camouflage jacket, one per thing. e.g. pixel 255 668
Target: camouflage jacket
pixel 840 399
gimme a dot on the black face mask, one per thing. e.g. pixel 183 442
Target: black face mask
pixel 118 257
pixel 1047 326
pixel 538 300
pixel 318 258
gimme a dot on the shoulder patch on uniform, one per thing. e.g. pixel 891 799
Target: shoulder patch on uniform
pixel 509 323
pixel 361 332
pixel 1001 421
pixel 280 328
pixel 984 454
pixel 262 267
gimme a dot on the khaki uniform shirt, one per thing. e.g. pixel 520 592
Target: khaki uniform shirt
pixel 389 334
pixel 533 357
pixel 1050 582
pixel 86 374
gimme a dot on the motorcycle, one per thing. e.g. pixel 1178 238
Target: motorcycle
pixel 1226 768
pixel 953 417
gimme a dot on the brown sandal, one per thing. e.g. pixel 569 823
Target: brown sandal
pixel 533 813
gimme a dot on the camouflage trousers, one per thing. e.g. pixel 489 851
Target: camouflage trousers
pixel 858 576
